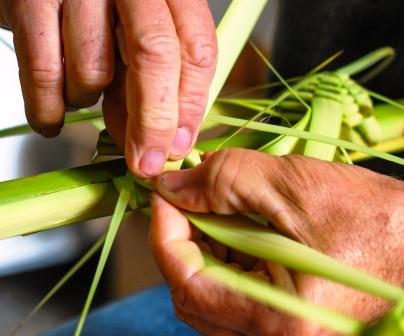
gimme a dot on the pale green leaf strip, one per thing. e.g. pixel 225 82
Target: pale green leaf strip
pixel 385 99
pixel 391 146
pixel 346 156
pixel 239 20
pixel 242 234
pixel 82 115
pixel 70 118
pixel 76 267
pixel 319 67
pixel 367 61
pixel 283 144
pixel 326 119
pixel 253 140
pixel 123 201
pixel 306 135
pixel 280 78
pixel 264 110
pixel 193 158
pixel 265 293
pixel 251 105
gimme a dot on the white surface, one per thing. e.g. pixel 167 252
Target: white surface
pixel 11 108
pixel 26 155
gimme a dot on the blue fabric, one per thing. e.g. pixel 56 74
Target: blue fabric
pixel 148 313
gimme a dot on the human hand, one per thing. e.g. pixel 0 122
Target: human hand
pixel 156 102
pixel 347 212
pixel 67 56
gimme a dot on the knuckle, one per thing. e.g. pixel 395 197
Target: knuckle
pixel 225 181
pixel 46 77
pixel 158 43
pixel 194 104
pixel 92 76
pixel 200 50
pixel 159 120
pixel 216 177
pixel 20 7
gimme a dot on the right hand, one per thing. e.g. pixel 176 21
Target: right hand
pixel 347 212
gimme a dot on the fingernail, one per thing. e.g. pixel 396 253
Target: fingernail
pixel 152 162
pixel 50 132
pixel 182 141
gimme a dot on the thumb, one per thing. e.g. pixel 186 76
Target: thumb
pixel 230 181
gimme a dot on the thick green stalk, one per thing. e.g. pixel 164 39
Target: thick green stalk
pixel 232 34
pixel 370 130
pixel 365 62
pixel 70 118
pixel 284 144
pixel 391 121
pixel 326 119
pixel 390 146
pixel 58 198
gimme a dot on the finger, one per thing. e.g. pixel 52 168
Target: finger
pixel 193 292
pixel 220 184
pixel 39 53
pixel 235 180
pixel 223 308
pixel 153 60
pixel 88 50
pixel 179 258
pixel 197 35
pixel 209 187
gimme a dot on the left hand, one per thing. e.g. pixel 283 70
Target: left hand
pixel 347 212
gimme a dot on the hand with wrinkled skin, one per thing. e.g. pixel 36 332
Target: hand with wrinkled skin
pixel 159 55
pixel 347 212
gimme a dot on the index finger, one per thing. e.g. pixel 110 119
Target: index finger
pixel 152 55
